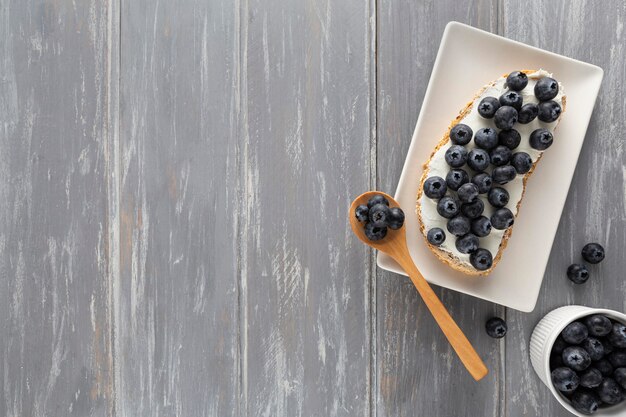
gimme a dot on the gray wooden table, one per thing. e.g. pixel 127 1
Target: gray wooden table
pixel 175 178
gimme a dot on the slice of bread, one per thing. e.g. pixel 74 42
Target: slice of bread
pixel 449 256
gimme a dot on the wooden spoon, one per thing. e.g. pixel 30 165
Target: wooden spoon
pixel 394 245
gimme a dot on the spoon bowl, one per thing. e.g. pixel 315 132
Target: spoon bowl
pixel 394 245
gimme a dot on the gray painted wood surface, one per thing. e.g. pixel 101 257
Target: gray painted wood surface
pixel 175 177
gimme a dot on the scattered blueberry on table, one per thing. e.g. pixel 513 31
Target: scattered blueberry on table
pixel 496 327
pixel 588 363
pixel 592 253
pixel 377 217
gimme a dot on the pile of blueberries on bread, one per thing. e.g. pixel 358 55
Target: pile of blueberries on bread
pixel 494 160
pixel 377 217
pixel 588 363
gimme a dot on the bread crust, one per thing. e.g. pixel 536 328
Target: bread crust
pixel 446 257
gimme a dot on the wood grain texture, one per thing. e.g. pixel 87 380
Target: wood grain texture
pixel 54 298
pixel 177 316
pixel 175 178
pixel 595 209
pixel 416 366
pixel 305 155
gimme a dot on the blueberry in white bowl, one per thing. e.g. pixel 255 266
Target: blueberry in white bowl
pixel 585 376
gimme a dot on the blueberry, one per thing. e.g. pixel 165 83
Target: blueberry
pixel 455 178
pixel 436 236
pixel 459 225
pixel 594 348
pixel 564 379
pixel 467 244
pixel 461 134
pixel 577 273
pixel 502 219
pixel 483 182
pixel 590 378
pixel 598 325
pixel 528 113
pixel 511 98
pixel 481 226
pixel 522 162
pixel 503 174
pixel 488 106
pixel 486 138
pixel 604 366
pixel 585 402
pixel 478 159
pixel 379 215
pixel 505 118
pixel 456 156
pixel 620 376
pixel 481 259
pixel 546 89
pixel 375 233
pixel 576 358
pixel 509 138
pixel 498 197
pixel 617 337
pixel 593 253
pixel 608 347
pixel 540 139
pixel 559 345
pixel 609 391
pixel 474 209
pixel 396 218
pixel 435 187
pixel 377 199
pixel 556 361
pixel 574 333
pixel 468 192
pixel 448 207
pixel 549 111
pixel 617 358
pixel 500 155
pixel 516 81
pixel 496 327
pixel 361 213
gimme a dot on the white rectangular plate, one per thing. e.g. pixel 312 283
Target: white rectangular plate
pixel 468 59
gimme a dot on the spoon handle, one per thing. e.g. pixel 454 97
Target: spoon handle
pixel 451 330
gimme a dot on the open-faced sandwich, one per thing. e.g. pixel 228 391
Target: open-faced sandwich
pixel 473 184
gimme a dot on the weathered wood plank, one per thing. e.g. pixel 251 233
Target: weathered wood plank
pixel 176 335
pixel 306 149
pixel 418 373
pixel 591 31
pixel 54 298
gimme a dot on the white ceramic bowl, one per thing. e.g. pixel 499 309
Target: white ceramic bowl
pixel 543 337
